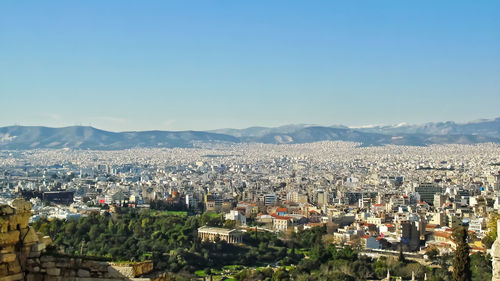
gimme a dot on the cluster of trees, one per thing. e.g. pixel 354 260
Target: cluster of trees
pixel 492 230
pixel 128 235
pixel 171 242
pixel 327 262
pixel 163 205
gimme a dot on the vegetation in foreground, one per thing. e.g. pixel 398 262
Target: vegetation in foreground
pixel 169 239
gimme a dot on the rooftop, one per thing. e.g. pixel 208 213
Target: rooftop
pixel 216 230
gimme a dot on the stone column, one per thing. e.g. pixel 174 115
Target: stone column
pixel 495 255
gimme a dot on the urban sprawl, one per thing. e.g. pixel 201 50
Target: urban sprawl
pixel 377 199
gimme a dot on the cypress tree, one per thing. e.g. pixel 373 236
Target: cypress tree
pixel 461 261
pixel 401 257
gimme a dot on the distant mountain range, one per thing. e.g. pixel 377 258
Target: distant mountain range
pixel 82 137
pixel 484 127
pixel 29 137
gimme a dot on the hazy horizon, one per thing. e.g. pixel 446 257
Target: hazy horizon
pixel 262 126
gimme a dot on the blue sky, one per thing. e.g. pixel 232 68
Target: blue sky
pixel 176 65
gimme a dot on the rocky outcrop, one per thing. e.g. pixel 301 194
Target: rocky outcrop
pixel 23 257
pixel 132 269
pixel 18 241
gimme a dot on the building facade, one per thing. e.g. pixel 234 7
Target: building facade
pixel 427 191
pixel 211 234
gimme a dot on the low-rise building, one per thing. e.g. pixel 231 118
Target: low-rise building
pixel 235 215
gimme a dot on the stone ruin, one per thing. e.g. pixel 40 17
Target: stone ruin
pixel 18 241
pixel 23 256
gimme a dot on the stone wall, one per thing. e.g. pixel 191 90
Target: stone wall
pixel 17 240
pixel 76 269
pixel 22 255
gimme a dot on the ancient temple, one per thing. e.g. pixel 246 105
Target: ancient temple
pixel 210 234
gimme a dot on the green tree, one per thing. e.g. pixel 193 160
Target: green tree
pixel 381 267
pixel 319 253
pixel 461 260
pixel 263 246
pixel 492 225
pixel 281 275
pixel 229 224
pixel 487 241
pixel 432 254
pixel 480 266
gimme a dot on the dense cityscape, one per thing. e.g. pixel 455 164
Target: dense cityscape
pixel 381 202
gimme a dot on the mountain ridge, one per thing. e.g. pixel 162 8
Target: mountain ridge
pixel 86 137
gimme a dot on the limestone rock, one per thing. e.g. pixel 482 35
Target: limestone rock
pixel 9 238
pixel 3 270
pixel 7 257
pixel 53 271
pixel 19 220
pixel 38 247
pixel 29 237
pixel 14 267
pixel 7 249
pixel 21 205
pixel 6 210
pixel 4 224
pixel 47 258
pixel 123 271
pixel 48 264
pixel 45 240
pixel 83 273
pixel 13 277
pixel 34 254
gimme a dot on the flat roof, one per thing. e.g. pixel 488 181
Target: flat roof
pixel 216 230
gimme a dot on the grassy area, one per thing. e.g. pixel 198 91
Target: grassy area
pixel 200 273
pixel 212 214
pixel 177 213
pixel 305 252
pixel 233 267
pixel 169 213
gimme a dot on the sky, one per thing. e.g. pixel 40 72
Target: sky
pixel 200 65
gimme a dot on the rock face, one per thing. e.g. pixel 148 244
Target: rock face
pixel 51 268
pixel 495 254
pixel 16 239
pixel 22 255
